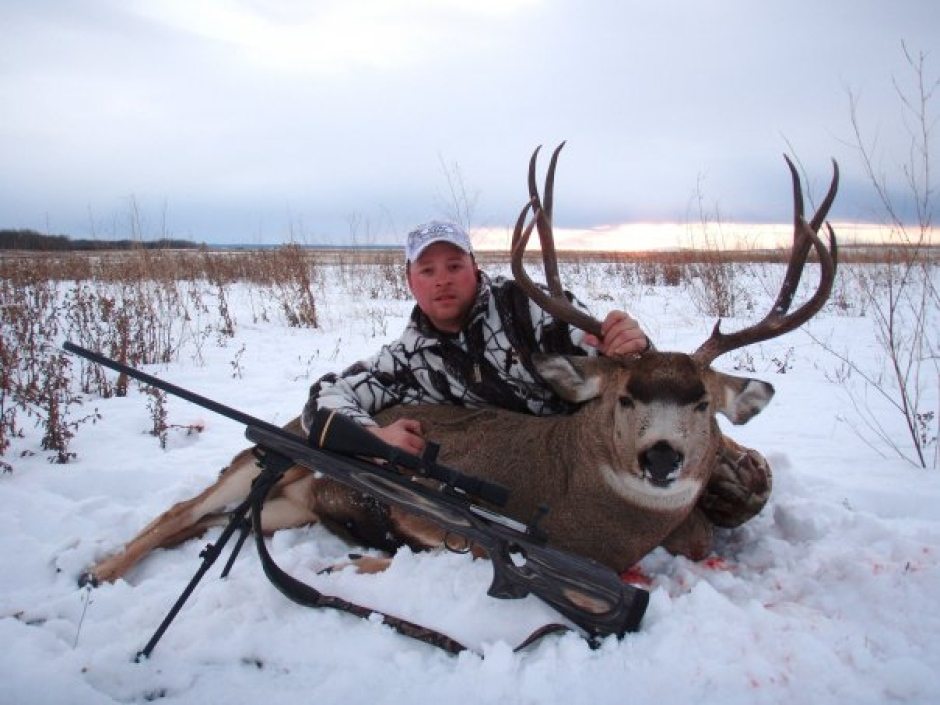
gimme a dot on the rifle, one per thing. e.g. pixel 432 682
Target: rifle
pixel 589 594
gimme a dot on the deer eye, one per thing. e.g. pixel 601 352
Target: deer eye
pixel 702 406
pixel 626 402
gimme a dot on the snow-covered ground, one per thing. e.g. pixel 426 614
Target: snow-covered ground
pixel 831 595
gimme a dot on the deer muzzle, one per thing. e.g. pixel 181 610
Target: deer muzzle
pixel 661 464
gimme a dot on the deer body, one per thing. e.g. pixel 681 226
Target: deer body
pixel 538 466
pixel 591 469
pixel 549 462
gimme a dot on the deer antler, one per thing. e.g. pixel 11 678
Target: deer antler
pixel 777 321
pixel 555 302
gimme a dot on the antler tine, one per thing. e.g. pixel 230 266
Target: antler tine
pixel 533 186
pixel 555 302
pixel 520 235
pixel 543 219
pixel 802 243
pixel 548 201
pixel 777 321
pixel 820 216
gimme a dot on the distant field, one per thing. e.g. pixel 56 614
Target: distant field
pixel 250 263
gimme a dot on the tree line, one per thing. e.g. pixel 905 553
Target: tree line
pixel 32 240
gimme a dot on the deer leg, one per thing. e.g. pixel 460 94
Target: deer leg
pixel 400 528
pixel 692 538
pixel 197 529
pixel 739 486
pixel 192 517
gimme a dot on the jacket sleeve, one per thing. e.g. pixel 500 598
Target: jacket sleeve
pixel 360 391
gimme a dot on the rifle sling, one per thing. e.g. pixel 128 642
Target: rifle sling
pixel 308 596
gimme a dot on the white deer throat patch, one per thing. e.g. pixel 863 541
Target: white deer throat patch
pixel 678 495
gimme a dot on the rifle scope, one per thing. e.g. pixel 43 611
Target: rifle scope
pixel 333 431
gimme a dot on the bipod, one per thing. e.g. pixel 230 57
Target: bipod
pixel 273 466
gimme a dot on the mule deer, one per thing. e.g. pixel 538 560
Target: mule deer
pixel 621 476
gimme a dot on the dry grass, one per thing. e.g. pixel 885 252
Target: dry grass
pixel 138 307
pixel 143 306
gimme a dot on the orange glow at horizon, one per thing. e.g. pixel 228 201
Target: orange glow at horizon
pixel 674 236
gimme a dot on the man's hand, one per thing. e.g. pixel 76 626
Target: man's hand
pixel 404 433
pixel 621 336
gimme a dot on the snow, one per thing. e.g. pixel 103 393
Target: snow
pixel 830 595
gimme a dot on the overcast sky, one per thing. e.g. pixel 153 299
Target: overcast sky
pixel 253 121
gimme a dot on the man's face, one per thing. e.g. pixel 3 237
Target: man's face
pixel 443 281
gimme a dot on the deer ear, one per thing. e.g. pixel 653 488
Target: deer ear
pixel 575 379
pixel 741 398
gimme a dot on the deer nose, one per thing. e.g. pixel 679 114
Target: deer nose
pixel 661 463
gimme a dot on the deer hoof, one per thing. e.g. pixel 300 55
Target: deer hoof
pixel 739 487
pixel 88 579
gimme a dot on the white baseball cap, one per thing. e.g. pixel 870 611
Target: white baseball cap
pixel 426 235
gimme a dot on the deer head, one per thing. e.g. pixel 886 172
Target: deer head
pixel 663 404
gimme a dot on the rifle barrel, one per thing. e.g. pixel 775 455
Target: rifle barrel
pixel 198 399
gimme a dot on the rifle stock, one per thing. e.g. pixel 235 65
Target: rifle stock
pixel 589 594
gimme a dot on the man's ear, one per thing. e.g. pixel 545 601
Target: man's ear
pixel 574 378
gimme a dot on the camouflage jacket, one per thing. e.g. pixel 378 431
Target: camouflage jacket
pixel 489 363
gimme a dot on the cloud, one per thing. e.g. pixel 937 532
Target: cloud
pixel 235 114
pixel 331 39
